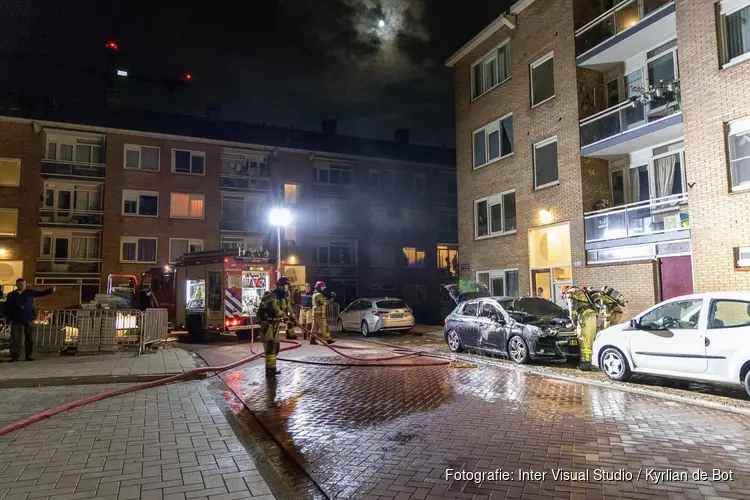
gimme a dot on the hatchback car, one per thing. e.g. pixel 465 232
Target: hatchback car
pixel 703 337
pixel 371 315
pixel 522 329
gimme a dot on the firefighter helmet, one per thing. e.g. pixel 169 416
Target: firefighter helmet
pixel 283 281
pixel 320 284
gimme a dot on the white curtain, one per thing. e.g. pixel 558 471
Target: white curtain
pixel 665 171
pixel 635 187
pixel 78 247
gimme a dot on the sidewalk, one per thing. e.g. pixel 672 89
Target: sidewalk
pixel 117 367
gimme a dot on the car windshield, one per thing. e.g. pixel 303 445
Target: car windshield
pixel 392 304
pixel 537 306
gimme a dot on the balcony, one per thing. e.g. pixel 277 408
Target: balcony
pixel 630 27
pixel 52 266
pixel 335 271
pixel 242 225
pixel 55 217
pixel 245 183
pixel 333 190
pixel 58 168
pixel 629 127
pixel 650 221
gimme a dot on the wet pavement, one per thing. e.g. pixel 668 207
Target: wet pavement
pixel 392 432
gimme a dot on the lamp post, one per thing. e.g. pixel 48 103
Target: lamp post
pixel 279 217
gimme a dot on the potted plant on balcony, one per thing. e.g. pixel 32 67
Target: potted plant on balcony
pixel 669 91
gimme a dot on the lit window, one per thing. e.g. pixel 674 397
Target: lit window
pixel 414 258
pixel 291 193
pixel 490 71
pixel 140 250
pixel 545 163
pixel 10 172
pixel 140 203
pixel 9 222
pixel 142 158
pixel 447 259
pixel 188 162
pixel 542 80
pixel 186 206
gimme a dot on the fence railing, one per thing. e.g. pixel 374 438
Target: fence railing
pixel 96 330
pixel 332 314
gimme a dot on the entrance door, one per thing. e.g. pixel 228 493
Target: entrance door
pixel 676 276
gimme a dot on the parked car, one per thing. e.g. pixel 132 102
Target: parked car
pixel 522 328
pixel 704 337
pixel 369 315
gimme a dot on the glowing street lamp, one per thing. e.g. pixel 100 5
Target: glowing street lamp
pixel 381 24
pixel 279 217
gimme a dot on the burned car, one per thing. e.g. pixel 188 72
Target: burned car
pixel 521 328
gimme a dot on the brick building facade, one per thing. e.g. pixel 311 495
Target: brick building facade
pixel 590 153
pixel 120 192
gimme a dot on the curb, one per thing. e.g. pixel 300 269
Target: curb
pixel 566 378
pixel 92 380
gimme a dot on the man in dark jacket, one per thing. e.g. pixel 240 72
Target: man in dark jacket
pixel 20 313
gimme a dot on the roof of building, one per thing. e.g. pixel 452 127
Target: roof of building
pixel 505 19
pixel 235 132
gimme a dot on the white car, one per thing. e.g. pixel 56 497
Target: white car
pixel 703 337
pixel 371 315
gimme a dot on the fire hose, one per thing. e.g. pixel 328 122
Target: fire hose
pixel 399 353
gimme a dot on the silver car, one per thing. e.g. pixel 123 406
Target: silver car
pixel 371 315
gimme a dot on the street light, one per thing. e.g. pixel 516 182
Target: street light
pixel 279 217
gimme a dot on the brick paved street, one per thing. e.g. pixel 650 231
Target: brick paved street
pixel 393 432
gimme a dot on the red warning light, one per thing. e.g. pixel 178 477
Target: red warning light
pixel 187 77
pixel 111 45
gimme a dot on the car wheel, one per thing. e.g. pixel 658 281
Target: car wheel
pixel 454 341
pixel 518 351
pixel 747 383
pixel 341 326
pixel 614 364
pixel 365 329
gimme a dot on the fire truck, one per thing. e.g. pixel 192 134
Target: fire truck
pixel 219 291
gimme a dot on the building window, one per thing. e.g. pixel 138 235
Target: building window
pixel 188 162
pixel 542 80
pixel 661 66
pixel 545 163
pixel 139 250
pixel 447 223
pixel 75 149
pixel 336 254
pixel 739 153
pixel 333 174
pixel 448 184
pixel 383 218
pixel 415 219
pixel 493 142
pixel 142 158
pixel 447 259
pixel 382 256
pixel 140 203
pixel 734 30
pixel 79 247
pixel 180 246
pixel 490 71
pixel 500 282
pixel 414 258
pixel 186 206
pixel 413 183
pixel 290 235
pixel 292 193
pixel 10 172
pixel 495 215
pixel 9 222
pixel 64 198
pixel 742 256
pixel 381 179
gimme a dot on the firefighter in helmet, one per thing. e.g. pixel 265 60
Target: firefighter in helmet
pixel 275 308
pixel 319 310
pixel 583 315
pixel 610 304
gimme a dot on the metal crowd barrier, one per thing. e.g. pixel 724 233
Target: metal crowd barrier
pixel 99 330
pixel 332 314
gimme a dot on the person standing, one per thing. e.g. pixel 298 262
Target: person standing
pixel 305 310
pixel 320 311
pixel 21 313
pixel 274 308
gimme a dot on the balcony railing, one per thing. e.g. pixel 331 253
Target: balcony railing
pixel 620 119
pixel 329 189
pixel 50 265
pixel 655 216
pixel 335 270
pixel 245 182
pixel 242 225
pixel 71 169
pixel 54 216
pixel 619 18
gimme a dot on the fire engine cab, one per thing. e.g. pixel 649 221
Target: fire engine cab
pixel 220 291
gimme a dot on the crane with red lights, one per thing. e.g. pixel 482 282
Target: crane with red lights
pixel 114 71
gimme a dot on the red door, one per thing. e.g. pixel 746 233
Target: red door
pixel 676 276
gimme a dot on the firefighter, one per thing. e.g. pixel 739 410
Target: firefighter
pixel 305 310
pixel 610 304
pixel 319 311
pixel 583 315
pixel 275 307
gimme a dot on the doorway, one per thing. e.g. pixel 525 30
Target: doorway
pixel 676 276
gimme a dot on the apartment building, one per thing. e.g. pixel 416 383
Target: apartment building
pixel 85 195
pixel 577 148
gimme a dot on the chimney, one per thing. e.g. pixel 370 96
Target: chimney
pixel 402 136
pixel 329 126
pixel 213 111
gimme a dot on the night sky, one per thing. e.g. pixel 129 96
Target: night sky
pixel 285 62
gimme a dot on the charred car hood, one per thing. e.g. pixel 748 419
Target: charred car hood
pixel 540 312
